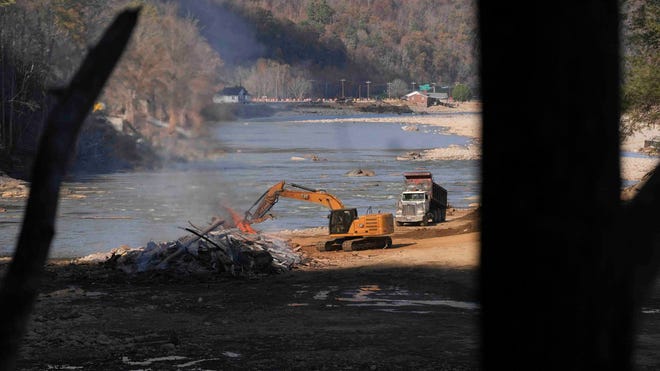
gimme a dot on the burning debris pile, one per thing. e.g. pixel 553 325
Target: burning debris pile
pixel 214 249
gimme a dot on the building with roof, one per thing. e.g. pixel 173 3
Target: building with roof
pixel 234 94
pixel 427 99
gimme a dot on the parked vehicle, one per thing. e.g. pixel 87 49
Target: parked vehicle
pixel 423 201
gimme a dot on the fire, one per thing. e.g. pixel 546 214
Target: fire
pixel 240 223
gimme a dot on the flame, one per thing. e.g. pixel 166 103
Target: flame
pixel 240 223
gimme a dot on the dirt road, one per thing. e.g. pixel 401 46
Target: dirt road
pixel 452 244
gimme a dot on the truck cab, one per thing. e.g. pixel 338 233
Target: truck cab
pixel 422 201
pixel 412 207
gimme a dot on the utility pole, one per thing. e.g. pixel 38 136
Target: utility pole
pixel 389 96
pixel 342 87
pixel 413 84
pixel 277 78
pixel 311 84
pixel 368 82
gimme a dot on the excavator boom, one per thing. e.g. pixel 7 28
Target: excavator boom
pixel 259 210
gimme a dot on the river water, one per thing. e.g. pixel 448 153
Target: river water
pixel 134 208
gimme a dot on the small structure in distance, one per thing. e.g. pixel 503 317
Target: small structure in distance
pixel 428 99
pixel 234 94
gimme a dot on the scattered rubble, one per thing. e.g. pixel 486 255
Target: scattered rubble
pixel 12 188
pixel 383 108
pixel 212 250
pixel 651 146
pixel 453 152
pixel 410 156
pixel 630 192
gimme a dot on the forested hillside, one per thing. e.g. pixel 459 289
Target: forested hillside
pixel 168 72
pixel 185 51
pixel 299 48
pixel 416 40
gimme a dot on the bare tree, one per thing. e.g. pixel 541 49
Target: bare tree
pixel 269 78
pixel 299 87
pixel 398 88
pixel 169 72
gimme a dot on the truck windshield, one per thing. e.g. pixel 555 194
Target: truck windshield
pixel 413 196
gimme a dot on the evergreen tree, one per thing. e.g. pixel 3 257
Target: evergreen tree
pixel 461 93
pixel 319 14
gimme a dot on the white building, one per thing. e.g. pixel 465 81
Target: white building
pixel 235 94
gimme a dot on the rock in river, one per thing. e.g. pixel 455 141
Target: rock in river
pixel 361 172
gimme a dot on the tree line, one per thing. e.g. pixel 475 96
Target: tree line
pixel 418 41
pixel 168 72
pixel 183 52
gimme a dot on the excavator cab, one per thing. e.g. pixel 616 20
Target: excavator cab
pixel 341 220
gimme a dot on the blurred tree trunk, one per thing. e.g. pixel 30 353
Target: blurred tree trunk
pixel 561 290
pixel 20 284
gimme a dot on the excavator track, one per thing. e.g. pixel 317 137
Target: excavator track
pixel 366 243
pixel 332 245
pixel 355 244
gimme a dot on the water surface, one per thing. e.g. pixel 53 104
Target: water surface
pixel 133 208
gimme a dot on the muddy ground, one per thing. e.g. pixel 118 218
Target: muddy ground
pixel 413 306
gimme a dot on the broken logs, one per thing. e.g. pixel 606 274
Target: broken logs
pixel 211 250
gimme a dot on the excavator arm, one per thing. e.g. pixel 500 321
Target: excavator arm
pixel 348 231
pixel 259 210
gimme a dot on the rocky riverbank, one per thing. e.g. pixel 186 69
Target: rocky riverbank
pixel 465 120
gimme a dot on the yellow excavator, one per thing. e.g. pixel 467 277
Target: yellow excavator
pixel 348 230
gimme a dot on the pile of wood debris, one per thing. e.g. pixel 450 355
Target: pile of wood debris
pixel 212 250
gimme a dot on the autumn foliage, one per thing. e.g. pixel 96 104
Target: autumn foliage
pixel 168 73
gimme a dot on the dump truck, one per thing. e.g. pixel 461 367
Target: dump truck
pixel 422 202
pixel 347 230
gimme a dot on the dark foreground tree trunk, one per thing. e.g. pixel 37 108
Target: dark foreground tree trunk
pixel 561 289
pixel 19 287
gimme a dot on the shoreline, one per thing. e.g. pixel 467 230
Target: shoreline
pixel 463 121
pixel 466 121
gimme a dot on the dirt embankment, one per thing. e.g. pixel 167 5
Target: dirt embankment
pixel 449 244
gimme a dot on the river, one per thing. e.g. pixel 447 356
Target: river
pixel 136 207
